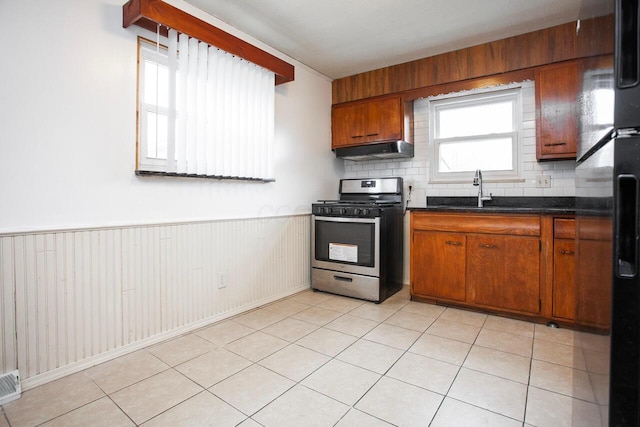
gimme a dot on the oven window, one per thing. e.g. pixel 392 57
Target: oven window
pixel 345 242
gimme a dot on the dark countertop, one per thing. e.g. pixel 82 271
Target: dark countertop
pixel 525 205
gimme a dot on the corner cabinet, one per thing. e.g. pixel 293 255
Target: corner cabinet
pixel 371 121
pixel 556 111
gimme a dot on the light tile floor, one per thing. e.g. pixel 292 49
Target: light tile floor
pixel 316 359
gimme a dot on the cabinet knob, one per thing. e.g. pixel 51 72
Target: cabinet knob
pixel 485 246
pixel 563 252
pixel 452 243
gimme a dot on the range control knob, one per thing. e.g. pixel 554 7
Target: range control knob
pixel 365 212
pixel 327 210
pixel 356 211
pixel 342 211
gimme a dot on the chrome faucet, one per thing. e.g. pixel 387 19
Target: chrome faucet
pixel 477 181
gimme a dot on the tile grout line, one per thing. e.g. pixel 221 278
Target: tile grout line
pixel 458 372
pixel 358 338
pixel 121 410
pixel 395 310
pixel 526 402
pixel 4 415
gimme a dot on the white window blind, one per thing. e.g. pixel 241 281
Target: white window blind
pixel 218 117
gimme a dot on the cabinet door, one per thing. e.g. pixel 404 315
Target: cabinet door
pixel 348 124
pixel 563 278
pixel 384 120
pixel 556 111
pixel 438 265
pixel 504 272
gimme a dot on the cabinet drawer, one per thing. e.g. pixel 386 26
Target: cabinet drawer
pixel 519 225
pixel 564 228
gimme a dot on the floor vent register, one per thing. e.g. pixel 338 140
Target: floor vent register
pixel 9 387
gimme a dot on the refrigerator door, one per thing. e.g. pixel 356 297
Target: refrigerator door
pixel 625 326
pixel 594 248
pixel 627 65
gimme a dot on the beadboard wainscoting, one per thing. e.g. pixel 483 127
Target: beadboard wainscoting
pixel 74 298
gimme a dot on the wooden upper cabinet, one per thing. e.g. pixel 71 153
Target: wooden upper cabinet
pixel 384 120
pixel 348 125
pixel 556 111
pixel 372 121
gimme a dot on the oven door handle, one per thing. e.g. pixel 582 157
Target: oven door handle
pixel 345 219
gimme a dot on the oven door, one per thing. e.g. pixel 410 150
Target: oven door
pixel 351 245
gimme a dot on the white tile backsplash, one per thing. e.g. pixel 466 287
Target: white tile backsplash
pixel 416 171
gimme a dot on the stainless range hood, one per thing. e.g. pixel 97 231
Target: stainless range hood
pixel 379 151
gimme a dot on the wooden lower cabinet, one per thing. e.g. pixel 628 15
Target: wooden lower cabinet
pixel 443 276
pixel 564 277
pixel 483 260
pixel 517 264
pixel 508 263
pixel 504 272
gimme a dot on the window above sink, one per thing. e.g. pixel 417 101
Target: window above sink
pixel 470 131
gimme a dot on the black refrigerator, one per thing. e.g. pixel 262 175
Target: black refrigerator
pixel 607 300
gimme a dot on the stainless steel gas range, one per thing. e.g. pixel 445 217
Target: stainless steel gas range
pixel 356 247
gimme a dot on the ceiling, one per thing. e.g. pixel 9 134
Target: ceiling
pixel 339 38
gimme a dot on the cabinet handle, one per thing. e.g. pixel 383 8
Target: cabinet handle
pixel 372 134
pixel 452 243
pixel 554 144
pixel 485 246
pixel 563 252
pixel 357 136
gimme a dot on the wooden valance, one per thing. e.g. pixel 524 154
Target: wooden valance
pixel 149 13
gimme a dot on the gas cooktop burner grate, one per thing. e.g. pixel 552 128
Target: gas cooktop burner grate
pixel 358 202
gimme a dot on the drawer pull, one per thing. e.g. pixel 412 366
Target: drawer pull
pixel 485 246
pixel 554 144
pixel 342 279
pixel 357 136
pixel 452 243
pixel 372 134
pixel 563 252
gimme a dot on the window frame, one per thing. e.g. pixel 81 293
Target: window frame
pixel 462 99
pixel 148 49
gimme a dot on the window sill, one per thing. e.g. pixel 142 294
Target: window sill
pixel 218 178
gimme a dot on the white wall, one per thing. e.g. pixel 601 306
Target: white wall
pixel 67 139
pixel 77 263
